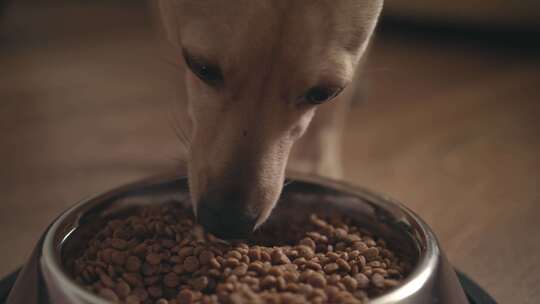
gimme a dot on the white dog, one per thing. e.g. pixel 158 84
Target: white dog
pixel 254 75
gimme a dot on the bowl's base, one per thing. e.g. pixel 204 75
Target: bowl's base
pixel 474 292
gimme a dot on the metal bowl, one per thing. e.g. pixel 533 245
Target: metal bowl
pixel 432 279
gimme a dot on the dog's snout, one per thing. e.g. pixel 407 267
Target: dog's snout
pixel 226 216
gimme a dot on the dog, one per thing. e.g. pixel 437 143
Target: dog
pixel 253 75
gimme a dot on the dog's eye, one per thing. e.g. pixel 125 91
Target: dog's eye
pixel 208 73
pixel 320 94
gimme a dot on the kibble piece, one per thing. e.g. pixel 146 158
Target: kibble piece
pixel 106 280
pixel 305 275
pixel 153 259
pixel 132 299
pixel 155 291
pixel 305 251
pixel 205 257
pixel 231 262
pixel 350 283
pixel 359 245
pixel 340 233
pixel 362 260
pixel 185 296
pixel 343 264
pixel 331 268
pixel 276 271
pixel 279 258
pixel 118 258
pixel 362 280
pixel 214 263
pixel 106 255
pixel 332 256
pixel 369 241
pixel 308 242
pixel 317 280
pixel 255 253
pixel 305 289
pixel 185 251
pixel 141 294
pixel 240 270
pixel 171 280
pixel 377 280
pixel 269 281
pixel 371 252
pixel 108 294
pixel 122 289
pixel 133 279
pixel 281 283
pixel 334 279
pixel 380 271
pixel 133 264
pixel 191 264
pixel 199 283
pixel 148 269
pixel 265 256
pixel 257 267
pixel 314 265
pixel 151 280
pixel 119 244
pixel 234 254
pixel 391 283
pixel 300 261
pixel 374 264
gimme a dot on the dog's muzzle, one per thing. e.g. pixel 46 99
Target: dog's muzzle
pixel 226 215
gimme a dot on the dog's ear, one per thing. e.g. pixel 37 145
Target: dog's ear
pixel 166 20
pixel 166 25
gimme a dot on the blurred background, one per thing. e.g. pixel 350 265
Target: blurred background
pixel 449 123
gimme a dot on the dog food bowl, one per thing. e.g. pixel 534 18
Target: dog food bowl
pixel 44 279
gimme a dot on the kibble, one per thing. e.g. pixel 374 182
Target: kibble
pixel 205 257
pixel 155 291
pixel 108 294
pixel 153 259
pixel 199 283
pixel 122 289
pixel 191 264
pixel 132 299
pixel 171 280
pixel 118 258
pixel 362 280
pixel 377 280
pixel 317 280
pixel 160 255
pixel 331 268
pixel 133 264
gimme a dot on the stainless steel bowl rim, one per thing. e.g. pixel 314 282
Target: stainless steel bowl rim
pixel 427 261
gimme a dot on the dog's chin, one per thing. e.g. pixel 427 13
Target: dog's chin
pixel 193 191
pixel 264 216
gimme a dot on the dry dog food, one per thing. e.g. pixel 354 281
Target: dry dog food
pixel 159 255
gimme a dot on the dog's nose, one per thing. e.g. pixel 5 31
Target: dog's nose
pixel 225 218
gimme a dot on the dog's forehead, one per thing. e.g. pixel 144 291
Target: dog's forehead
pixel 289 30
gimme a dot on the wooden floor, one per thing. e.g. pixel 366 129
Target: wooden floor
pixel 449 126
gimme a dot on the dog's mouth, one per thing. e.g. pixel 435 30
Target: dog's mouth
pixel 226 226
pixel 230 210
pixel 226 219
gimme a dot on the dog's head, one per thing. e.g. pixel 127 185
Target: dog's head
pixel 255 72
